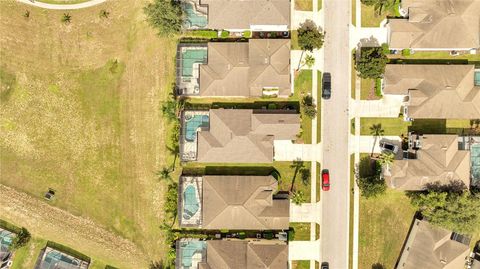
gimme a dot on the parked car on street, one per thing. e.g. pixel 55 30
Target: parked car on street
pixel 325 180
pixel 326 86
pixel 386 146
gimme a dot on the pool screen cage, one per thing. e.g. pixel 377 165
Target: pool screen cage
pixel 186 200
pixel 188 58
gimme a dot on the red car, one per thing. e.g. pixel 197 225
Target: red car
pixel 325 180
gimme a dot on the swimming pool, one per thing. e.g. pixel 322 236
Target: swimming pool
pixel 192 125
pixel 192 252
pixel 194 18
pixel 191 204
pixel 477 78
pixel 190 57
pixel 6 238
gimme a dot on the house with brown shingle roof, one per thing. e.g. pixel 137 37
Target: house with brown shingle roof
pixel 232 202
pixel 435 91
pixel 259 67
pixel 436 25
pixel 232 254
pixel 235 135
pixel 254 15
pixel 430 247
pixel 430 159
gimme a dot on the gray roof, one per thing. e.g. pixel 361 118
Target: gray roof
pixel 430 247
pixel 245 68
pixel 442 24
pixel 243 136
pixel 438 160
pixel 246 254
pixel 240 14
pixel 243 202
pixel 436 91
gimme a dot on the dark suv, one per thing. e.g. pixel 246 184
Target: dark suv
pixel 324 265
pixel 326 86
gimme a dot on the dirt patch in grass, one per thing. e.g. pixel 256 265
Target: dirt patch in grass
pixel 384 224
pixel 82 115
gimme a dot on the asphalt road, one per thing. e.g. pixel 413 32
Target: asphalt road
pixel 335 214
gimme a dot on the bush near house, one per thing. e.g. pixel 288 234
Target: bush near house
pixel 406 52
pixel 369 178
pixel 371 63
pixel 225 34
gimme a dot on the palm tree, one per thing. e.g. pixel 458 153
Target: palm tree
pixel 382 5
pixel 164 174
pixel 298 197
pixel 66 18
pixel 376 130
pixel 386 159
pixel 309 61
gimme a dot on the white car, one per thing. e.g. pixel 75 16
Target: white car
pixel 386 146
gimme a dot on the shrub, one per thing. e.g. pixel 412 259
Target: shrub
pixel 247 34
pixel 21 239
pixel 272 106
pixel 203 33
pixel 406 52
pixel 378 87
pixel 291 234
pixel 385 48
pixel 164 15
pixel 225 34
pixel 369 179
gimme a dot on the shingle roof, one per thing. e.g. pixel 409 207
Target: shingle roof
pixel 430 247
pixel 436 91
pixel 242 136
pixel 244 69
pixel 240 14
pixel 243 202
pixel 245 254
pixel 443 24
pixel 439 160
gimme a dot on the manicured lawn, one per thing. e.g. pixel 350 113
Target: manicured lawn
pixel 319 181
pixel 370 18
pixel 354 12
pixel 319 4
pixel 438 56
pixel 392 126
pixel 384 225
pixel 83 117
pixel 303 87
pixel 294 40
pixel 367 89
pixel 304 5
pixel 352 201
pixel 353 77
pixel 300 264
pixel 302 231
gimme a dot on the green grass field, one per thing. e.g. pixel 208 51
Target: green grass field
pixel 303 87
pixel 397 126
pixel 81 114
pixel 384 224
pixel 304 5
pixel 302 231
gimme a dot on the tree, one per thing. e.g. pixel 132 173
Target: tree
pixel 310 36
pixel 21 239
pixel 309 61
pixel 371 63
pixel 164 174
pixel 451 210
pixel 165 15
pixel 26 14
pixel 382 5
pixel 104 14
pixel 170 206
pixel 298 197
pixel 309 108
pixel 66 18
pixel 372 186
pixel 386 159
pixel 376 130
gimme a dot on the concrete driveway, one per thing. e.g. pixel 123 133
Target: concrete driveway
pixel 366 143
pixel 303 250
pixel 285 150
pixel 387 107
pixel 307 212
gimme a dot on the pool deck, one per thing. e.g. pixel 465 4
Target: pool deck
pixel 188 149
pixel 189 85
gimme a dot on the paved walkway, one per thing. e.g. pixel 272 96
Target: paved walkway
pixel 62 6
pixel 285 150
pixel 387 107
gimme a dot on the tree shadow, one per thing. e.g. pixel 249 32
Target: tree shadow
pixel 368 42
pixel 298 164
pixel 378 266
pixel 455 186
